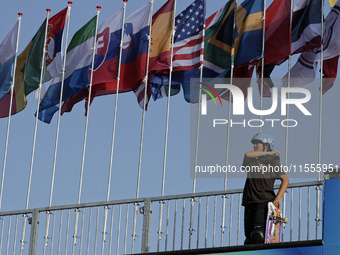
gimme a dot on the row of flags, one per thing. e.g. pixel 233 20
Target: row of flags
pixel 231 37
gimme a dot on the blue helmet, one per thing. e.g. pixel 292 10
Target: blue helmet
pixel 264 138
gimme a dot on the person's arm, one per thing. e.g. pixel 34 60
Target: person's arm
pixel 282 190
pixel 254 154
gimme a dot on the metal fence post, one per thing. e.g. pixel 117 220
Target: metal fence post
pixel 34 221
pixel 146 211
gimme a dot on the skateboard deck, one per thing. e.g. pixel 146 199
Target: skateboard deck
pixel 274 224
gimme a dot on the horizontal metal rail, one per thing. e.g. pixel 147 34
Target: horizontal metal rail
pixel 152 199
pixel 212 219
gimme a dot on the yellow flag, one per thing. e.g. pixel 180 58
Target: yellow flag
pixel 332 2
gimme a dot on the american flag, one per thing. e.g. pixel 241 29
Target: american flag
pixel 188 43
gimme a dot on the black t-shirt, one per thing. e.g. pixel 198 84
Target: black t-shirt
pixel 261 175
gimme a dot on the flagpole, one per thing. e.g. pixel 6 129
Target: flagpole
pixel 320 124
pixel 35 132
pixel 142 128
pixel 36 119
pixel 262 57
pixel 167 128
pixel 197 128
pixel 287 106
pixel 58 127
pixel 85 133
pixel 10 110
pixel 228 127
pixel 199 102
pixel 114 125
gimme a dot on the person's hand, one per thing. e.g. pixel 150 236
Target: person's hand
pixel 274 153
pixel 276 202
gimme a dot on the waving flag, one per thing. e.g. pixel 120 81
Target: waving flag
pixel 161 30
pixel 78 61
pixel 277 35
pixel 7 59
pixel 54 39
pixel 28 70
pixel 107 56
pixel 187 49
pixel 306 27
pixel 188 37
pixel 332 2
pixel 159 57
pixel 304 71
pixel 249 32
pixel 218 40
pixel 134 55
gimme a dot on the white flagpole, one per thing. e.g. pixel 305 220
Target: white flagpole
pixel 262 57
pixel 197 127
pixel 199 103
pixel 60 103
pixel 85 134
pixel 167 126
pixel 37 115
pixel 114 125
pixel 35 133
pixel 58 127
pixel 142 128
pixel 287 107
pixel 228 127
pixel 10 110
pixel 320 125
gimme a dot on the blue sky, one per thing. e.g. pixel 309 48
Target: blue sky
pixel 303 139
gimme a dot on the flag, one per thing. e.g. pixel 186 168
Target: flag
pixel 54 37
pixel 330 71
pixel 304 71
pixel 160 51
pixel 281 41
pixel 277 32
pixel 332 2
pixel 134 56
pixel 140 94
pixel 306 25
pixel 218 41
pixel 107 56
pixel 249 32
pixel 7 59
pixel 28 69
pixel 187 48
pixel 214 47
pixel 331 37
pixel 188 37
pixel 305 34
pixel 27 74
pixel 78 61
pixel 161 30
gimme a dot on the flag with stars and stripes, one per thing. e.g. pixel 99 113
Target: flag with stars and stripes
pixel 187 50
pixel 188 45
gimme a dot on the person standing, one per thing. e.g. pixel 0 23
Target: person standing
pixel 263 168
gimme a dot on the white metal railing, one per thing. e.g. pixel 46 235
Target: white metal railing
pixel 182 226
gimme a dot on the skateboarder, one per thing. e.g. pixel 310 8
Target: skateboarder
pixel 263 168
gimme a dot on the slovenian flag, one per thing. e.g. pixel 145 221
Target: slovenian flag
pixel 133 62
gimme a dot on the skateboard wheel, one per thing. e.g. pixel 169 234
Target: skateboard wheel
pixel 274 214
pixel 284 220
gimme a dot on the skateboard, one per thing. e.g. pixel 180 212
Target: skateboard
pixel 274 224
